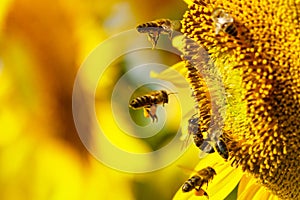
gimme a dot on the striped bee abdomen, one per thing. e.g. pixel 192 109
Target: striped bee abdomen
pixel 140 102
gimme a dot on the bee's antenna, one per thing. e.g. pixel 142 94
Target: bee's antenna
pixel 219 164
pixel 172 93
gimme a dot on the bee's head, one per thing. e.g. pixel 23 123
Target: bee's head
pixel 141 28
pixel 212 170
pixel 194 120
pixel 165 96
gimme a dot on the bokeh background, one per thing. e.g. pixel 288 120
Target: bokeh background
pixel 42 45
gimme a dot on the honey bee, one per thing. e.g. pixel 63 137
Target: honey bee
pixel 224 21
pixel 196 182
pixel 149 102
pixel 157 27
pixel 206 145
pixel 200 142
pixel 193 129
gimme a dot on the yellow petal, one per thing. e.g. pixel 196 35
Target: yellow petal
pixel 189 2
pixel 249 189
pixel 223 183
pixel 175 74
pixel 243 184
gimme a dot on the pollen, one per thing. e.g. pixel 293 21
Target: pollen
pixel 260 67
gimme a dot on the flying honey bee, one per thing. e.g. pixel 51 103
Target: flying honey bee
pixel 224 22
pixel 149 102
pixel 196 182
pixel 157 27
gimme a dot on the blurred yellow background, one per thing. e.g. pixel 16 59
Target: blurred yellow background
pixel 43 44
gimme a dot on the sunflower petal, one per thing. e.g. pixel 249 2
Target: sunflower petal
pixel 174 74
pixel 243 185
pixel 250 189
pixel 189 2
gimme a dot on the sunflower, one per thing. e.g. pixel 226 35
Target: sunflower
pixel 255 56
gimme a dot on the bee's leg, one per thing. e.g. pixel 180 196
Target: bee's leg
pixel 154 117
pixel 147 113
pixel 170 34
pixel 206 184
pixel 153 37
pixel 205 194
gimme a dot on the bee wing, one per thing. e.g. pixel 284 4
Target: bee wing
pixel 186 140
pixel 203 172
pixel 153 38
pixel 152 110
pixel 186 135
pixel 206 148
pixel 203 154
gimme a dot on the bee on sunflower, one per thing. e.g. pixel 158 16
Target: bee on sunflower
pixel 254 53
